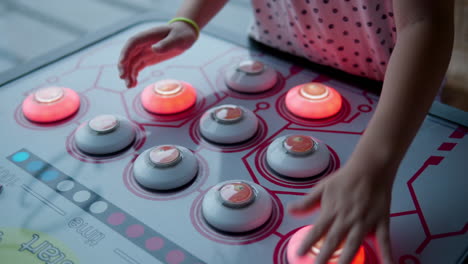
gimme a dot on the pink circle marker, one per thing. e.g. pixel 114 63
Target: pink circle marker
pixel 175 257
pixel 311 255
pixel 165 155
pixel 313 101
pixel 154 243
pixel 51 104
pixel 103 123
pixel 168 97
pixel 251 67
pixel 116 219
pixel 135 231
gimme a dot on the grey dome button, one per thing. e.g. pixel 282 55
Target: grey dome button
pixel 251 76
pixel 105 134
pixel 298 156
pixel 228 124
pixel 237 206
pixel 165 167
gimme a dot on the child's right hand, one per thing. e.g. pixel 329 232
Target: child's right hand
pixel 154 46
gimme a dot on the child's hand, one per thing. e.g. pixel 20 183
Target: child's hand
pixel 354 202
pixel 154 46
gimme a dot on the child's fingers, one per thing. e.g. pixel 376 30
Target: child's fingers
pixel 320 229
pixel 142 41
pixel 383 237
pixel 353 242
pixel 137 69
pixel 134 75
pixel 307 204
pixel 335 235
pixel 128 67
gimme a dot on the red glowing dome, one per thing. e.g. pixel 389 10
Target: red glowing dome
pixel 51 104
pixel 168 97
pixel 313 101
pixel 310 256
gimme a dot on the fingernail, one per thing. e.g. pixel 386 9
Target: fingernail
pixel 156 48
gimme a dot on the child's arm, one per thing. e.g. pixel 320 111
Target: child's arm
pixel 164 42
pixel 355 200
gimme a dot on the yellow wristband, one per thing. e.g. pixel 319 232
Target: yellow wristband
pixel 188 21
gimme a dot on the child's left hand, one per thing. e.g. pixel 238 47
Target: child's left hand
pixel 354 202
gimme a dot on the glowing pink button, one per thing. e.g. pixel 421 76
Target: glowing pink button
pixel 168 97
pixel 168 87
pixel 252 67
pixel 51 104
pixel 314 91
pixel 311 255
pixel 165 156
pixel 49 94
pixel 315 250
pixel 103 123
pixel 135 231
pixel 237 194
pixel 313 101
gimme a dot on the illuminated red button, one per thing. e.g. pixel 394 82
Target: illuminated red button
pixel 313 101
pixel 49 94
pixel 314 91
pixel 165 156
pixel 168 97
pixel 51 104
pixel 298 238
pixel 251 67
pixel 228 114
pixel 237 194
pixel 315 250
pixel 103 123
pixel 168 87
pixel 299 144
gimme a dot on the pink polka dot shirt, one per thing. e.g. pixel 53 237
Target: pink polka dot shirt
pixel 355 36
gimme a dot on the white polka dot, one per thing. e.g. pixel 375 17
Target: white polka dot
pixel 81 196
pixel 98 207
pixel 65 186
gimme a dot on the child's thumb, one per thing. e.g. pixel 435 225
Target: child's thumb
pixel 165 45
